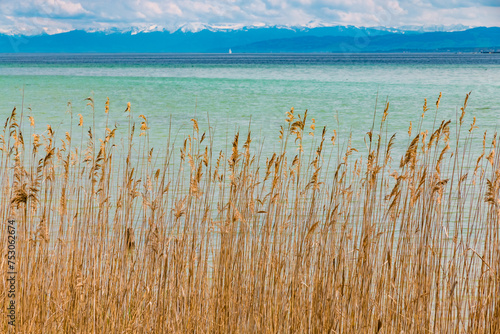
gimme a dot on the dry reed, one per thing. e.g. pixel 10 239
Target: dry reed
pixel 304 240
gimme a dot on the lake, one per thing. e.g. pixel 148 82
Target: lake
pixel 339 90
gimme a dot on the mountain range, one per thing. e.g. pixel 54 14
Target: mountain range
pixel 260 40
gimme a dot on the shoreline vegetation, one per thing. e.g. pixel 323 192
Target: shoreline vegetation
pixel 308 239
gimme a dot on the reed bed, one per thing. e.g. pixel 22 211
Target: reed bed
pixel 312 238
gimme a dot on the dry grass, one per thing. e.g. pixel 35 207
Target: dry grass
pixel 321 239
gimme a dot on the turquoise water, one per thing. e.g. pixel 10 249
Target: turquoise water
pixel 172 89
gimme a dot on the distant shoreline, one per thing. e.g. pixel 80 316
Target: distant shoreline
pixel 233 54
pixel 244 59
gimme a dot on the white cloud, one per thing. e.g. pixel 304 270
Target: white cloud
pixel 152 7
pixel 65 8
pixel 35 16
pixel 48 8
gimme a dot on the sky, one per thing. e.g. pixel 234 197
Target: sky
pixel 30 17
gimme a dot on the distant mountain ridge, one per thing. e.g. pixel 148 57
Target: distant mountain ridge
pixel 198 26
pixel 259 40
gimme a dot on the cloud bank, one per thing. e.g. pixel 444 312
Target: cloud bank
pixel 54 16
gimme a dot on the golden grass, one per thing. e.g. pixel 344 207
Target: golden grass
pixel 319 239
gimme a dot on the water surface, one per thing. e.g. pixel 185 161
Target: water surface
pixel 339 90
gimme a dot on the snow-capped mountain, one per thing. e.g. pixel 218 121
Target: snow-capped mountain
pixel 316 37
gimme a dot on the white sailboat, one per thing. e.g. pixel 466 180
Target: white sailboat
pixel 230 51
